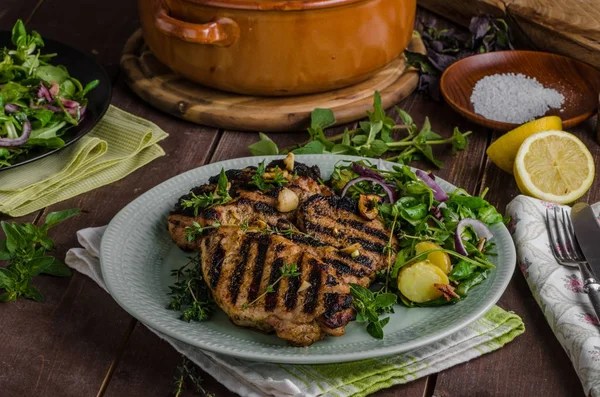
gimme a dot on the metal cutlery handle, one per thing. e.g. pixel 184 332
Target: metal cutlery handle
pixel 591 287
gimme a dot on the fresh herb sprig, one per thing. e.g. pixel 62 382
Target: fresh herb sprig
pixel 369 305
pixel 446 46
pixel 189 294
pixel 219 196
pixel 187 372
pixel 266 181
pixel 193 233
pixel 24 250
pixel 287 270
pixel 374 138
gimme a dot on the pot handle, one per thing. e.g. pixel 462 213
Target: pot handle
pixel 223 32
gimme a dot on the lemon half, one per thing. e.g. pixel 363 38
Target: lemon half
pixel 554 166
pixel 503 150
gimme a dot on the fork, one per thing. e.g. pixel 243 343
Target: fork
pixel 567 252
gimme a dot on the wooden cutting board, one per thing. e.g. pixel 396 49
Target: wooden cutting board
pixel 567 27
pixel 162 88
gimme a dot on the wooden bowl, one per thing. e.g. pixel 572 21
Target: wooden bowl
pixel 577 81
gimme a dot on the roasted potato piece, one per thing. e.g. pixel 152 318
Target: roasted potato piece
pixel 440 259
pixel 417 281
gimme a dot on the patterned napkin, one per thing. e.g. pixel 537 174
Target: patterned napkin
pixel 118 145
pixel 359 378
pixel 557 289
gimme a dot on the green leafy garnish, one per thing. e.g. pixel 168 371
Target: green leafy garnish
pixel 189 294
pixel 220 196
pixel 35 96
pixel 266 181
pixel 369 306
pixel 25 250
pixel 377 137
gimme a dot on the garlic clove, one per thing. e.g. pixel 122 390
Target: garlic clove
pixel 287 200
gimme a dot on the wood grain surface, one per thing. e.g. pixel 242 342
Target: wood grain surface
pixel 161 87
pixel 81 343
pixel 577 81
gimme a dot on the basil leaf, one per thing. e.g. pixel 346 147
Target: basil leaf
pixel 6 278
pixel 321 118
pixel 32 293
pixel 51 73
pixel 57 268
pixel 19 33
pixel 4 253
pixel 385 300
pixel 314 147
pixel 459 142
pixel 264 147
pixel 55 218
pixel 39 265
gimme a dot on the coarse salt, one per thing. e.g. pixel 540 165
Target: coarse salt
pixel 513 98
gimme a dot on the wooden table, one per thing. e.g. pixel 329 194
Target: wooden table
pixel 79 342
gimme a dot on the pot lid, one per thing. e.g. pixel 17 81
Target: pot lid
pixel 273 5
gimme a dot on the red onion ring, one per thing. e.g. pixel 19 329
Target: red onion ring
pixel 391 195
pixel 438 193
pixel 480 229
pixel 7 142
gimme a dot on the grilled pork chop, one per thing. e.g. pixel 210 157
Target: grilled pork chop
pixel 248 206
pixel 238 266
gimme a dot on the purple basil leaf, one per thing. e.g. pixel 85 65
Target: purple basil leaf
pixel 479 26
pixel 437 46
pixel 441 61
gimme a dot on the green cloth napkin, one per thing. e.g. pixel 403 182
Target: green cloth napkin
pixel 118 145
pixel 359 378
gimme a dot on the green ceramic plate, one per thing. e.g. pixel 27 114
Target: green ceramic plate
pixel 137 255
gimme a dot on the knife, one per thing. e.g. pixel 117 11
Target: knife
pixel 587 232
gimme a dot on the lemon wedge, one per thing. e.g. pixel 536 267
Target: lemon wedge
pixel 503 150
pixel 554 166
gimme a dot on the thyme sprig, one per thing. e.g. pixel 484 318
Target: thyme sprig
pixel 189 294
pixel 207 200
pixel 187 372
pixel 192 233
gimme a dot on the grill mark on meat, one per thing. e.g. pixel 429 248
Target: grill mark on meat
pixel 334 305
pixel 331 281
pixel 210 214
pixel 344 268
pixel 238 273
pixel 259 264
pixel 291 295
pixel 271 297
pixel 215 266
pixel 357 225
pixel 258 206
pixel 304 240
pixel 366 244
pixel 312 292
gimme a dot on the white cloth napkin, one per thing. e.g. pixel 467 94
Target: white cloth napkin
pixel 359 378
pixel 557 289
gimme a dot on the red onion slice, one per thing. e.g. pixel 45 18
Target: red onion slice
pixel 44 93
pixel 438 193
pixel 54 88
pixel 391 195
pixel 7 142
pixel 11 108
pixel 69 104
pixel 480 229
pixel 367 172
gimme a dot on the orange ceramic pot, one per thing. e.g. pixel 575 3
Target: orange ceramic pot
pixel 266 47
